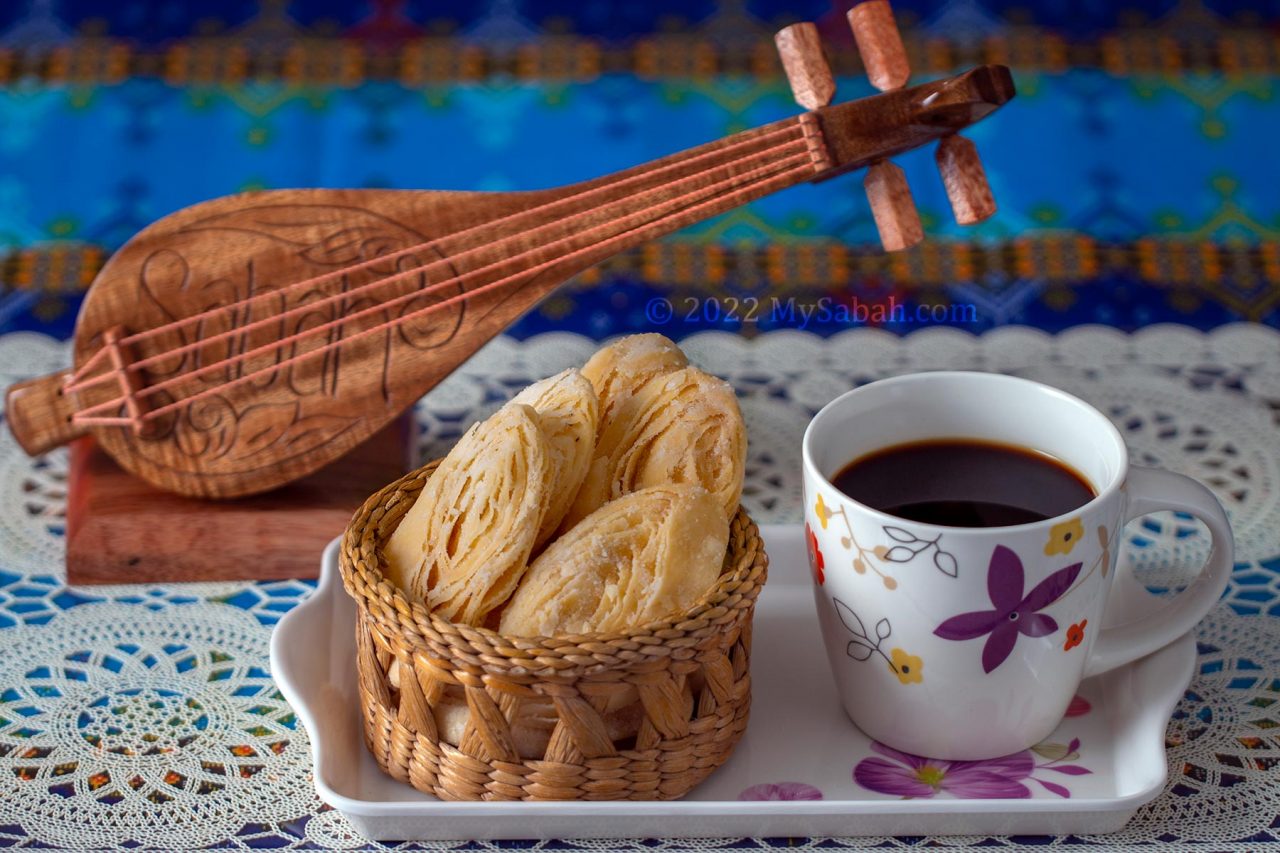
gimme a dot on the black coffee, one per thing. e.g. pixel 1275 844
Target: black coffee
pixel 964 483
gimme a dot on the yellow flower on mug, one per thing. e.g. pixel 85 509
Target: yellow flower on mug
pixel 823 513
pixel 908 668
pixel 1063 537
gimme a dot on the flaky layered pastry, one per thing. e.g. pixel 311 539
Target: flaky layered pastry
pixel 618 369
pixel 644 556
pixel 568 413
pixel 679 427
pixel 465 543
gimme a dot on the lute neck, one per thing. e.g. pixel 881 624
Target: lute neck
pixel 592 221
pixel 568 230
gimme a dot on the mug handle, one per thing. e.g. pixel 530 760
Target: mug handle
pixel 1152 490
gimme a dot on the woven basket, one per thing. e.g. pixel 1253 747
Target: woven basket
pixel 685 682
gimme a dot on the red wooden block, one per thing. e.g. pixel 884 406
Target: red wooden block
pixel 123 530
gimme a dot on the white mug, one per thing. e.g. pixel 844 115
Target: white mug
pixel 969 642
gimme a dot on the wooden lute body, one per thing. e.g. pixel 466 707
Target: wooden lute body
pixel 246 341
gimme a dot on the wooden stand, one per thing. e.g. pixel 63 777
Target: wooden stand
pixel 122 530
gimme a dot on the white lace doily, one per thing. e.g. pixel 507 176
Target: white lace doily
pixel 165 729
pixel 146 716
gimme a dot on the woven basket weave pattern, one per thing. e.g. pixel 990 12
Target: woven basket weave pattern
pixel 689 675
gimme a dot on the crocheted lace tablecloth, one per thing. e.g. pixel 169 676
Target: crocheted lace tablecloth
pixel 145 715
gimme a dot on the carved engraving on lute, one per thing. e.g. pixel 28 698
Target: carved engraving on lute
pixel 292 408
pixel 234 430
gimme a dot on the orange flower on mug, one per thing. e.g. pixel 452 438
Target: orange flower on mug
pixel 908 668
pixel 1063 537
pixel 1075 635
pixel 823 512
pixel 816 561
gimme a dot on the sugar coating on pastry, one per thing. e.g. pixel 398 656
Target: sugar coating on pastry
pixel 618 369
pixel 642 557
pixel 465 543
pixel 680 427
pixel 567 412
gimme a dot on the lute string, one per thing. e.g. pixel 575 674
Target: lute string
pixel 712 189
pixel 84 383
pixel 755 186
pixel 79 382
pixel 628 204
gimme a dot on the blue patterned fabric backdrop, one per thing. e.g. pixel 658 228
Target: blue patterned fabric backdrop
pixel 1134 171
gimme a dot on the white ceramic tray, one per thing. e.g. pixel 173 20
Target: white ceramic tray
pixel 799 745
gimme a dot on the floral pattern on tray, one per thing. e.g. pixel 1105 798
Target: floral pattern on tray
pixel 913 776
pixel 896 773
pixel 902 774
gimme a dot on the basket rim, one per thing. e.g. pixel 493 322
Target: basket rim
pixel 728 600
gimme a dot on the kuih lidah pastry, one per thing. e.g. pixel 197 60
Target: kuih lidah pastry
pixel 568 413
pixel 637 462
pixel 678 427
pixel 619 369
pixel 466 541
pixel 634 560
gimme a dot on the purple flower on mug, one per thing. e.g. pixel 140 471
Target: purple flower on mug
pixel 1012 613
pixel 905 775
pixel 781 791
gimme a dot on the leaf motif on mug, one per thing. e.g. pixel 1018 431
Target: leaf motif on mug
pixel 946 563
pixel 883 629
pixel 899 554
pixel 1051 751
pixel 850 619
pixel 858 650
pixel 897 534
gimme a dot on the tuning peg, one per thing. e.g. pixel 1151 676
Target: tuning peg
pixel 885 59
pixel 892 206
pixel 880 44
pixel 807 69
pixel 965 180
